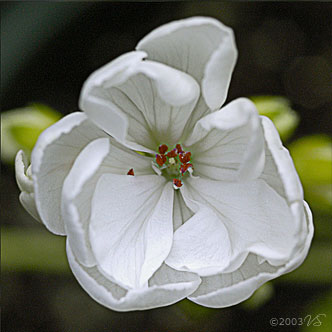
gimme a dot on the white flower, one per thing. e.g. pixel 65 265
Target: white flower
pixel 213 224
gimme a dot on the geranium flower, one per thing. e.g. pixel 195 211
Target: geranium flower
pixel 163 195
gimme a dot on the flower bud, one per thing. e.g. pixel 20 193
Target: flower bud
pixel 278 109
pixel 21 127
pixel 312 157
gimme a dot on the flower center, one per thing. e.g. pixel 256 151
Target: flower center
pixel 174 164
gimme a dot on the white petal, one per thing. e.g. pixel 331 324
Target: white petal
pixel 166 287
pixel 201 245
pixel 279 171
pixel 227 289
pixel 28 202
pixel 51 159
pixel 77 193
pixel 218 71
pixel 228 144
pixel 102 155
pixel 141 103
pixel 131 227
pixel 181 212
pixel 257 219
pixel 199 46
pixel 24 182
pixel 280 174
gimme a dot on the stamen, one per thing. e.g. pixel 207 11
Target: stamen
pixel 186 167
pixel 172 154
pixel 162 148
pixel 177 183
pixel 179 148
pixel 185 157
pixel 161 159
pixel 131 172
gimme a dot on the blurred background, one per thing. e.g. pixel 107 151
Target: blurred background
pixel 48 49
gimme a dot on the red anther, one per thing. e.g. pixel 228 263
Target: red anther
pixel 172 154
pixel 179 148
pixel 163 148
pixel 131 172
pixel 184 167
pixel 161 159
pixel 177 183
pixel 185 157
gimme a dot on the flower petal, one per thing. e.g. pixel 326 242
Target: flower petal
pixel 103 155
pixel 24 182
pixel 279 171
pixel 28 202
pixel 78 188
pixel 200 46
pixel 51 159
pixel 228 145
pixel 228 289
pixel 257 219
pixel 166 287
pixel 217 74
pixel 140 103
pixel 280 174
pixel 201 245
pixel 131 227
pixel 181 212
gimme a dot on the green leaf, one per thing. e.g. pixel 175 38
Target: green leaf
pixel 278 109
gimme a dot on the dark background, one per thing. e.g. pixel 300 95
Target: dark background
pixel 47 51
